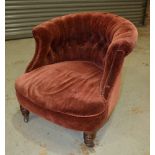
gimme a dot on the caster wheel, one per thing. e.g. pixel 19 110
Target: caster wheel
pixel 26 119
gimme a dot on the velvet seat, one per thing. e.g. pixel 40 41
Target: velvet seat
pixel 73 81
pixel 74 77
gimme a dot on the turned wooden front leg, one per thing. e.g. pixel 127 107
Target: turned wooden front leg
pixel 89 138
pixel 25 113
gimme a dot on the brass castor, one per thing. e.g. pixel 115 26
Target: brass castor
pixel 89 138
pixel 25 114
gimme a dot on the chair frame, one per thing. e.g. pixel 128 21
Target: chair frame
pixel 116 53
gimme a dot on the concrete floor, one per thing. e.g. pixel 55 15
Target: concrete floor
pixel 126 132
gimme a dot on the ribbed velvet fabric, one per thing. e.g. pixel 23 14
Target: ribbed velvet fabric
pixel 74 76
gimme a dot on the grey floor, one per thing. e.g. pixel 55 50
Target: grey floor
pixel 126 132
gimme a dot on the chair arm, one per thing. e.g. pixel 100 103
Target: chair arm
pixel 113 63
pixel 43 40
pixel 123 39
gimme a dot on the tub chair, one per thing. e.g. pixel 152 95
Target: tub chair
pixel 74 77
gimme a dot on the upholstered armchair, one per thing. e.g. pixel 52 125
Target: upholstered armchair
pixel 74 77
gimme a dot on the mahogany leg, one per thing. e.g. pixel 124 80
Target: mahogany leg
pixel 89 138
pixel 25 113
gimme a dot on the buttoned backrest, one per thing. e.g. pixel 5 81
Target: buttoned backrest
pixel 82 36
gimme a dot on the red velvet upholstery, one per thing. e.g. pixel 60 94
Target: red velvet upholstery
pixel 74 76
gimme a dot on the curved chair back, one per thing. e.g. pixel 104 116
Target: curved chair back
pixel 81 36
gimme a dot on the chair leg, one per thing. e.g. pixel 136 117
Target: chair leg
pixel 25 114
pixel 89 138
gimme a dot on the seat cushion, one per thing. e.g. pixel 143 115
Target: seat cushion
pixel 70 87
